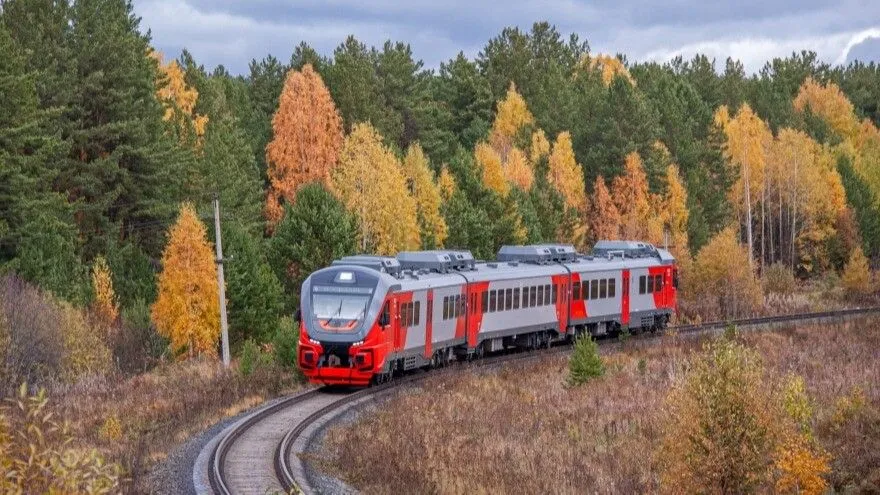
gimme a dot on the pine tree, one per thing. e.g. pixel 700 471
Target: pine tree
pixel 604 218
pixel 187 308
pixel 264 85
pixel 371 184
pixel 313 232
pixel 253 291
pixel 420 181
pixel 124 171
pixel 307 137
pixel 356 89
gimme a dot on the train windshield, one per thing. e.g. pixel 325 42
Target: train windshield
pixel 339 312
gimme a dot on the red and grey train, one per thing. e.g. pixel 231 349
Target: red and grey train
pixel 365 318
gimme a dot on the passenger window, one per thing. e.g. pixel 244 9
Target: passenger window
pixel 533 296
pixel 642 284
pixel 603 288
pixel 553 294
pixel 485 303
pixel 540 296
pixel 575 291
pixel 650 284
pixel 547 294
pixel 492 301
pixel 612 287
pixel 417 312
pixel 508 299
pixel 445 308
pixel 516 298
pixel 594 289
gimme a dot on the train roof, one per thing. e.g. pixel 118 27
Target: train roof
pixel 414 270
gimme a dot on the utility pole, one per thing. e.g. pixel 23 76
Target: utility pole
pixel 221 283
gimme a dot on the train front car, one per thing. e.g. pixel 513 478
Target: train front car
pixel 342 310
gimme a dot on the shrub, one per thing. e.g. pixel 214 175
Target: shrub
pixel 727 430
pixel 779 280
pixel 585 362
pixel 721 282
pixel 856 278
pixel 137 346
pixel 285 342
pixel 250 353
pixel 36 456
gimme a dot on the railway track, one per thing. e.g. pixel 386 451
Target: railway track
pixel 239 459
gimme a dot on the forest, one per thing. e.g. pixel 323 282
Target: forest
pixel 111 154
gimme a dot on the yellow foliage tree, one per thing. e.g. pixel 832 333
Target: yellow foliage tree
pixel 491 166
pixel 178 99
pixel 186 310
pixel 829 103
pixel 610 67
pixel 748 139
pixel 721 282
pixel 421 184
pixel 446 183
pixel 540 146
pixel 105 306
pixel 566 175
pixel 856 276
pixel 371 184
pixel 675 212
pixel 603 219
pixel 512 115
pixel 306 139
pixel 630 194
pixel 518 171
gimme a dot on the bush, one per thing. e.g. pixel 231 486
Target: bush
pixel 585 362
pixel 36 456
pixel 137 346
pixel 856 278
pixel 285 342
pixel 779 280
pixel 253 358
pixel 729 431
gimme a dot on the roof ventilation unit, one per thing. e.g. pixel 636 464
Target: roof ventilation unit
pixel 628 249
pixel 384 264
pixel 538 253
pixel 440 261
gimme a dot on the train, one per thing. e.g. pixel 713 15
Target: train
pixel 365 319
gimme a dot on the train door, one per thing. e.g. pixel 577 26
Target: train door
pixel 624 298
pixel 429 325
pixel 395 325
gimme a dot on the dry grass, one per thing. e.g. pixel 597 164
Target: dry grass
pixel 136 421
pixel 521 430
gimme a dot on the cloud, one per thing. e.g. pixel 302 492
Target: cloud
pixel 233 32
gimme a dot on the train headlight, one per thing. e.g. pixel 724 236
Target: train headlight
pixel 313 341
pixel 358 343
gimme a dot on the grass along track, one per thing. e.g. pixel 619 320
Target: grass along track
pixel 260 453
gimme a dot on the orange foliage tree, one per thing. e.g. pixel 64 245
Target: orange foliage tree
pixel 675 212
pixel 371 184
pixel 610 67
pixel 518 171
pixel 491 167
pixel 179 99
pixel 420 179
pixel 446 183
pixel 540 146
pixel 512 115
pixel 630 194
pixel 186 310
pixel 829 103
pixel 604 218
pixel 306 139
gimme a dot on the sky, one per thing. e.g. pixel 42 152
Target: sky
pixel 232 32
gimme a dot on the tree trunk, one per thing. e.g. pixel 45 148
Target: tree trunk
pixel 748 198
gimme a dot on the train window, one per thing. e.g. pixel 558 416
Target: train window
pixel 658 282
pixel 585 290
pixel 485 302
pixel 547 294
pixel 611 287
pixel 553 294
pixel 516 298
pixel 603 288
pixel 508 299
pixel 403 314
pixel 533 296
pixel 650 284
pixel 417 312
pixel 594 289
pixel 642 284
pixel 462 305
pixel 575 291
pixel 445 308
pixel 540 295
pixel 492 301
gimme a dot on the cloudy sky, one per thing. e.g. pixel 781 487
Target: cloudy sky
pixel 232 32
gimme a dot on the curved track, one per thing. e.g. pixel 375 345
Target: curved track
pixel 240 460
